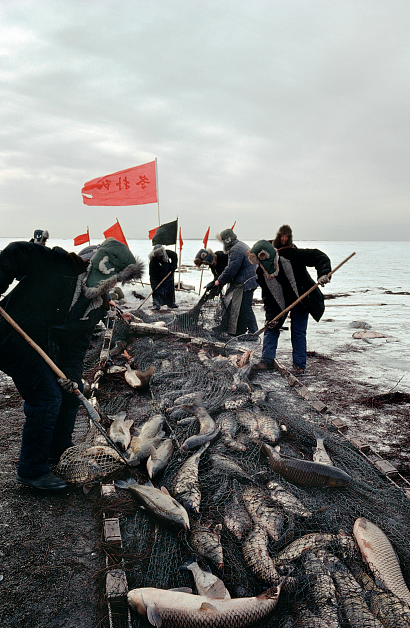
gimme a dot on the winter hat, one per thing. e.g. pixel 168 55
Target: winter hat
pixel 204 257
pixel 89 251
pixel 283 230
pixel 265 254
pixel 227 237
pixel 113 262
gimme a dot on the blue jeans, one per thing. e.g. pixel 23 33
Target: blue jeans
pixel 50 417
pixel 246 320
pixel 298 327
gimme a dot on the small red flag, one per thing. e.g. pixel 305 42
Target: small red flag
pixel 135 186
pixel 81 239
pixel 116 232
pixel 206 237
pixel 233 225
pixel 181 242
pixel 152 232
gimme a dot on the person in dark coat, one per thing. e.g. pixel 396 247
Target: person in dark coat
pixel 283 238
pixel 161 262
pixel 283 278
pixel 61 320
pixel 241 276
pixel 217 261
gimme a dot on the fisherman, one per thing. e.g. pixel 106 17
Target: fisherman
pixel 283 238
pixel 217 261
pixel 61 322
pixel 241 276
pixel 283 277
pixel 40 237
pixel 161 263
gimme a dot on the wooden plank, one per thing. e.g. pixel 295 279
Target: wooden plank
pixel 360 444
pixel 116 586
pixel 112 532
pixel 107 490
pixel 318 405
pixel 304 392
pixel 340 425
pixel 385 467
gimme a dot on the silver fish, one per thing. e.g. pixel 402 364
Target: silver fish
pixel 236 518
pixel 158 502
pixel 151 427
pixel 257 557
pixel 207 542
pixel 322 588
pixel 312 541
pixel 319 452
pixel 352 599
pixel 186 486
pixel 235 404
pixel 268 428
pixel 160 457
pixel 381 557
pixel 268 517
pixel 119 431
pixel 228 466
pixel 228 425
pixel 206 583
pixel 305 472
pixel 208 429
pixel 287 500
pixel 248 420
pixel 140 449
pixel 389 609
pixel 176 609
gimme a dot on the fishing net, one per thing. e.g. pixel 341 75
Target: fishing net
pixel 329 583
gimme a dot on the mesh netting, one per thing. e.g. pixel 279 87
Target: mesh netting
pixel 329 584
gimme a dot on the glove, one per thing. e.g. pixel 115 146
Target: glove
pixel 324 279
pixel 210 285
pixel 272 324
pixel 67 384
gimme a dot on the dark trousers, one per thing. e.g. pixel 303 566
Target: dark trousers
pixel 165 295
pixel 50 417
pixel 246 320
pixel 298 326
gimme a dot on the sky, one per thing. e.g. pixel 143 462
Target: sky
pixel 259 112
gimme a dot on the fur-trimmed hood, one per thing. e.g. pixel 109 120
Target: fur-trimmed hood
pixel 264 254
pixel 205 256
pixel 227 237
pixel 159 251
pixel 283 230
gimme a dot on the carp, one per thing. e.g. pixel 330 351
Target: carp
pixel 268 517
pixel 236 517
pixel 151 428
pixel 119 431
pixel 158 502
pixel 268 428
pixel 287 500
pixel 319 452
pixel 208 429
pixel 206 583
pixel 160 457
pixel 322 588
pixel 140 449
pixel 228 425
pixel 186 486
pixel 312 541
pixel 229 467
pixel 305 472
pixel 381 557
pixel 257 557
pixel 352 598
pixel 178 609
pixel 207 542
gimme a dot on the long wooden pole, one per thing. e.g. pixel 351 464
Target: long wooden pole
pixel 156 181
pixel 286 310
pixel 91 411
pixel 200 283
pixel 156 288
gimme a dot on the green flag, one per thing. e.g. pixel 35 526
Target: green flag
pixel 166 234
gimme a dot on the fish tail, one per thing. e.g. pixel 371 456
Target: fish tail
pixel 318 437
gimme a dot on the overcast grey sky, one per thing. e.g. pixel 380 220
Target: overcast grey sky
pixel 263 112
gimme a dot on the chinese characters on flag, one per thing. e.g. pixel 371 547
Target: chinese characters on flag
pixel 116 232
pixel 135 186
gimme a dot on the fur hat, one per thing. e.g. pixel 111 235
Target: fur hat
pixel 111 263
pixel 265 254
pixel 283 230
pixel 227 237
pixel 204 257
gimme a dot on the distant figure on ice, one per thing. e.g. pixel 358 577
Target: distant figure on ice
pixel 241 276
pixel 161 262
pixel 217 261
pixel 283 277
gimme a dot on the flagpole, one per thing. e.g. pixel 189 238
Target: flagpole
pixel 156 180
pixel 200 283
pixel 180 256
pixel 88 233
pixel 176 240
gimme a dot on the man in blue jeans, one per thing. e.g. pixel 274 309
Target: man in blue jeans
pixel 283 278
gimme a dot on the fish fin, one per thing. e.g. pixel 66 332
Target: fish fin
pixel 153 452
pixel 165 491
pixel 125 483
pixel 182 589
pixel 268 594
pixel 206 606
pixel 153 616
pixel 187 564
pixel 129 423
pixel 216 591
pixel 120 415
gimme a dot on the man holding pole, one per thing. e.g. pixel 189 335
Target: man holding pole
pixel 283 278
pixel 162 266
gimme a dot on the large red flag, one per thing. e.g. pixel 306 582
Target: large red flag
pixel 181 242
pixel 116 232
pixel 152 232
pixel 135 186
pixel 81 239
pixel 206 237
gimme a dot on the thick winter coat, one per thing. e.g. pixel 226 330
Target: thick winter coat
pixel 49 306
pixel 239 268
